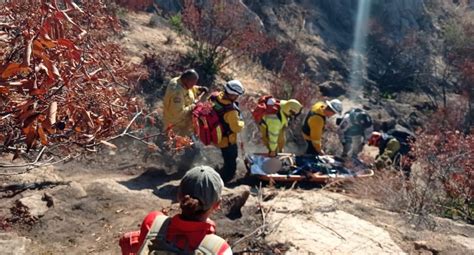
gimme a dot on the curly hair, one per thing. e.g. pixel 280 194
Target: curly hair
pixel 191 208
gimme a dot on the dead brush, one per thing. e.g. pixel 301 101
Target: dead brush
pixel 63 82
pixel 386 187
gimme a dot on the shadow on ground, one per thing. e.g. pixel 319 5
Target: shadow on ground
pixel 163 184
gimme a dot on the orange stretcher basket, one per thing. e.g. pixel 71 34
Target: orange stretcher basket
pixel 334 169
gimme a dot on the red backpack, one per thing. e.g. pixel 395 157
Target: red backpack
pixel 208 121
pixel 129 243
pixel 264 109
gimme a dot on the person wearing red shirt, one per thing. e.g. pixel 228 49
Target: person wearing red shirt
pixel 199 195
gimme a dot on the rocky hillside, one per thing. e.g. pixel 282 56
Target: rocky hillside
pixel 323 30
pixel 403 41
pixel 83 206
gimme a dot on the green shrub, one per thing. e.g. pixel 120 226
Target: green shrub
pixel 207 65
pixel 176 23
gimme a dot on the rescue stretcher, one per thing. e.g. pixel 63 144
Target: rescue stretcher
pixel 287 167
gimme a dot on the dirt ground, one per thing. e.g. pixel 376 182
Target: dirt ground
pixel 100 198
pixel 105 196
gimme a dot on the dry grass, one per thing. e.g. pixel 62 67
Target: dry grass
pixel 420 197
pixel 385 187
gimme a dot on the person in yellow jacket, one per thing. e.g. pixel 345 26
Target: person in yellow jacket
pixel 313 125
pixel 225 104
pixel 179 102
pixel 272 126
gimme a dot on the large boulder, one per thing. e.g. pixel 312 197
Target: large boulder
pixel 312 223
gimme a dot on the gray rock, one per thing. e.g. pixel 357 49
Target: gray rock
pixel 402 16
pixel 173 6
pixel 340 12
pixel 49 199
pixel 37 207
pixel 11 244
pixel 423 245
pixel 169 6
pixel 233 200
pixel 77 190
pixel 332 89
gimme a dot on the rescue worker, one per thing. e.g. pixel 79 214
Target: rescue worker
pixel 392 145
pixel 179 101
pixel 313 125
pixel 355 127
pixel 191 231
pixel 272 126
pixel 225 103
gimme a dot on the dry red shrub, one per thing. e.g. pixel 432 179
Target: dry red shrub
pixel 61 79
pixel 224 30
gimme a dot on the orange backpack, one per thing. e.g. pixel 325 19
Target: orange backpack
pixel 264 108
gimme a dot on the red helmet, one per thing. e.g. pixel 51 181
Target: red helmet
pixel 374 138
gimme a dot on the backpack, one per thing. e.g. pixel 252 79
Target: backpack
pixel 155 241
pixel 129 242
pixel 404 136
pixel 263 108
pixel 360 118
pixel 208 121
pixel 354 122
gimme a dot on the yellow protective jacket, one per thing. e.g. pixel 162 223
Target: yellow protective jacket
pixel 178 105
pixel 232 122
pixel 272 128
pixel 313 126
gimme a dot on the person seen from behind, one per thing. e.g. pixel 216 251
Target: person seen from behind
pixel 191 231
pixel 354 129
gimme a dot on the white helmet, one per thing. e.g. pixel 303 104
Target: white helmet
pixel 234 87
pixel 335 105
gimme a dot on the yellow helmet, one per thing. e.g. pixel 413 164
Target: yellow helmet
pixel 291 107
